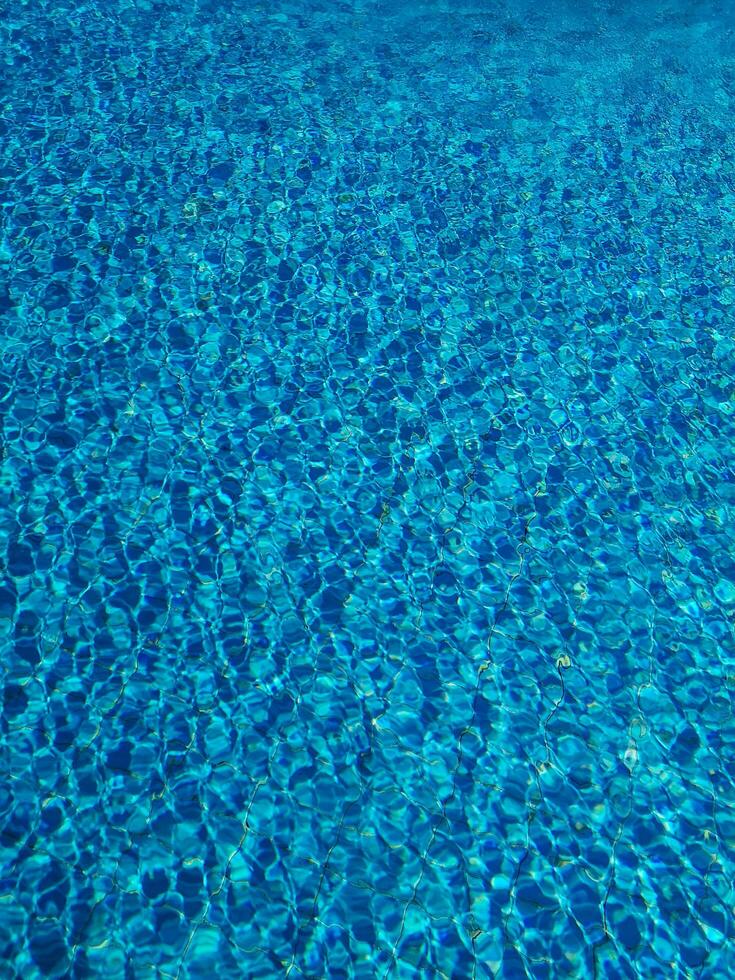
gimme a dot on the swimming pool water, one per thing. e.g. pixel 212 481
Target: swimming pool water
pixel 367 488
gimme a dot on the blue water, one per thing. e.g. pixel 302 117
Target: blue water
pixel 367 391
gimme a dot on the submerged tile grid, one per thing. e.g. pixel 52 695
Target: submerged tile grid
pixel 367 489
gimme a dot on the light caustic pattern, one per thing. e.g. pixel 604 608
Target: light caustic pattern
pixel 367 588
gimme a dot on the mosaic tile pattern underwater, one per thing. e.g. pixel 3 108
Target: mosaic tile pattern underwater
pixel 366 390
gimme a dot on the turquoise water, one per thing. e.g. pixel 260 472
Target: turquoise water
pixel 367 487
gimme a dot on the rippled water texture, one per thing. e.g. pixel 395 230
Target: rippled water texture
pixel 367 578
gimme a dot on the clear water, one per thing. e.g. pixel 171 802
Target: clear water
pixel 367 492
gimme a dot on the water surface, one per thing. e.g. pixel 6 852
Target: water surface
pixel 367 489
